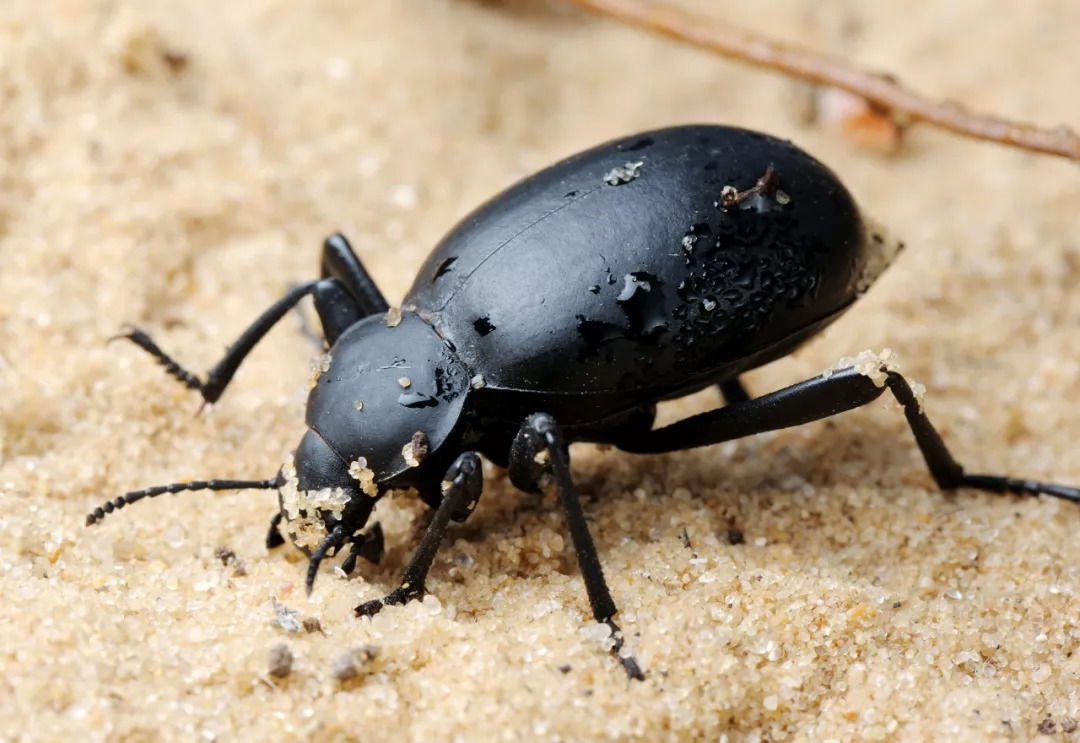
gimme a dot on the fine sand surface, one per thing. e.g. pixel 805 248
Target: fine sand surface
pixel 176 164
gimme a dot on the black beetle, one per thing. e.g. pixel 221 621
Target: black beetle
pixel 563 310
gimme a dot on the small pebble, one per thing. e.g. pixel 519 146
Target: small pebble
pixel 285 618
pixel 224 554
pixel 623 174
pixel 281 660
pixel 347 666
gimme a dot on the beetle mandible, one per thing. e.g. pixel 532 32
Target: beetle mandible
pixel 562 310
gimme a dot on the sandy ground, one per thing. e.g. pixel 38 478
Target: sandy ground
pixel 176 165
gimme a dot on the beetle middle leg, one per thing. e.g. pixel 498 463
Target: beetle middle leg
pixel 539 458
pixel 336 307
pixel 461 491
pixel 733 391
pixel 822 397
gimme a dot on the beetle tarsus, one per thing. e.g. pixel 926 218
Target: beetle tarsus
pixel 348 565
pixel 629 663
pixel 399 596
pixel 174 369
pixel 1000 484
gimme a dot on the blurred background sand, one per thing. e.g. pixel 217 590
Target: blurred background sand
pixel 177 164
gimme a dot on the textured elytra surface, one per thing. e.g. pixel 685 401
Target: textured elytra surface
pixel 186 200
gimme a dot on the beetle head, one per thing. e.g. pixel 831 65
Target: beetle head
pixel 383 413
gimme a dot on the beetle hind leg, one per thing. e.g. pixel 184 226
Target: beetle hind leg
pixel 539 460
pixel 823 397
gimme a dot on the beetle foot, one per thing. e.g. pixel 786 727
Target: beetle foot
pixel 177 372
pixel 629 662
pixel 401 595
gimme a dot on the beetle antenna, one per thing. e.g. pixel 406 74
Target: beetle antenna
pixel 109 506
pixel 334 540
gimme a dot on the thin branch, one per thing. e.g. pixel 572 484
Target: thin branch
pixel 880 90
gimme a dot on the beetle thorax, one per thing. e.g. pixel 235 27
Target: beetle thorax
pixel 390 393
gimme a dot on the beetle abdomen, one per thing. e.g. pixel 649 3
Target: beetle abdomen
pixel 652 264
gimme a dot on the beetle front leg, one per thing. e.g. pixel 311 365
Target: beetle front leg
pixel 370 545
pixel 539 458
pixel 273 534
pixel 822 397
pixel 461 492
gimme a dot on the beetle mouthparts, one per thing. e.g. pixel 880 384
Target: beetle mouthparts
pixel 333 541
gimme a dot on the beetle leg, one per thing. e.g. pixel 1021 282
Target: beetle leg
pixel 336 307
pixel 313 336
pixel 822 397
pixel 370 545
pixel 332 302
pixel 273 534
pixel 340 261
pixel 337 310
pixel 461 491
pixel 329 546
pixel 733 391
pixel 539 459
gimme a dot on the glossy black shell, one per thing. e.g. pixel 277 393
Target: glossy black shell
pixel 615 275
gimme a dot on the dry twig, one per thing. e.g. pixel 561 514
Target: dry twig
pixel 881 90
